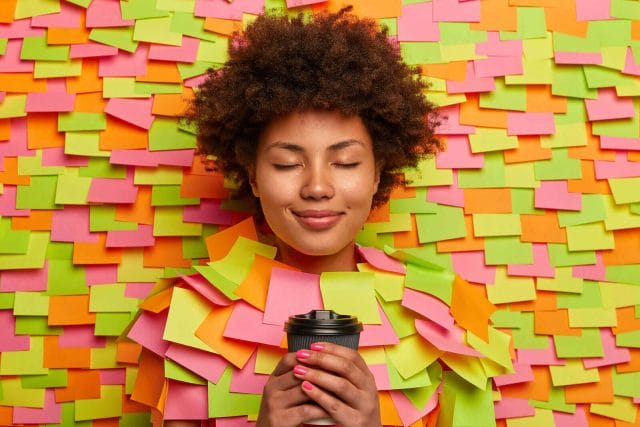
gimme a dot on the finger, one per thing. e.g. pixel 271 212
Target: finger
pixel 305 412
pixel 286 363
pixel 342 351
pixel 340 387
pixel 343 367
pixel 337 409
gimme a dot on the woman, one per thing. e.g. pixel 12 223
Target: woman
pixel 313 120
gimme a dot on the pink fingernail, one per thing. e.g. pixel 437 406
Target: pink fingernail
pixel 317 346
pixel 303 354
pixel 307 385
pixel 299 370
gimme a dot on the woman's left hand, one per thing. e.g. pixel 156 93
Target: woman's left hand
pixel 338 379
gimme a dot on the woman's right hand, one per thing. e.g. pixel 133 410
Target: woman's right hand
pixel 284 404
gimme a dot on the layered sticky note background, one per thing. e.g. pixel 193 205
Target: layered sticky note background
pixel 537 197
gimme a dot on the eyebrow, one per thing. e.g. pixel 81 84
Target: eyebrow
pixel 299 149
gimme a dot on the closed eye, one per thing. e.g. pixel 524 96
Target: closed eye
pixel 285 166
pixel 347 165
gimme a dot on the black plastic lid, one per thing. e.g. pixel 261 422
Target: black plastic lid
pixel 322 322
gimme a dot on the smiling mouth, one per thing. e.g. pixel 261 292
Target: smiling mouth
pixel 317 220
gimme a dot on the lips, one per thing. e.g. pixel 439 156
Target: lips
pixel 317 219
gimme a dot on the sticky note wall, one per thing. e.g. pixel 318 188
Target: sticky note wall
pixel 536 199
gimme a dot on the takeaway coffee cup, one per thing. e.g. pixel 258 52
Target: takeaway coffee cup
pixel 326 326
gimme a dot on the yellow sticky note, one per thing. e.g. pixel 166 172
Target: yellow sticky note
pixel 132 269
pixel 72 189
pixel 13 394
pixel 619 216
pixel 111 298
pixel 622 408
pixel 625 190
pixel 167 221
pixel 534 71
pixel 84 144
pixel 29 8
pixel 496 225
pixel 426 174
pixel 26 362
pixel 156 30
pixel 373 355
pixel 236 264
pixel 542 417
pixel 619 294
pixel 412 355
pixel 486 139
pixel 566 135
pixel 267 359
pixel 497 349
pixel 389 286
pixel 563 281
pixel 108 405
pixel 350 293
pixel 104 357
pixel 186 313
pixel 30 304
pixel 160 175
pixel 468 368
pixel 13 106
pixel 507 289
pixel 592 317
pixel 573 372
pixel 520 175
pixel 35 256
pixel 589 237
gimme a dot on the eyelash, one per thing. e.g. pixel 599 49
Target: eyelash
pixel 340 165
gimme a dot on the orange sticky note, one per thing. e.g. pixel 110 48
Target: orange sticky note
pixel 627 320
pixel 69 35
pixel 598 392
pixel 96 253
pixel 210 332
pixel 88 81
pixel 588 184
pixel 561 17
pixel 470 307
pixel 254 287
pixel 407 239
pixel 70 310
pixel 161 72
pixel 455 70
pixel 140 211
pixel 379 214
pixel 542 228
pixel 172 104
pixel 487 200
pixel 166 252
pixel 10 173
pixel 222 26
pixel 5 129
pixel 21 82
pixel 545 301
pixel 219 244
pixel 121 135
pixel 540 100
pixel 388 412
pixel 554 323
pixel 592 150
pixel 90 102
pixel 472 114
pixel 150 386
pixel 497 15
pixel 42 131
pixel 158 302
pixel 128 352
pixel 61 357
pixel 210 186
pixel 7 12
pixel 627 248
pixel 536 389
pixel 38 220
pixel 81 384
pixel 529 150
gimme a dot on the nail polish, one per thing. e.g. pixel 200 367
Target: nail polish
pixel 316 346
pixel 303 354
pixel 299 370
pixel 307 386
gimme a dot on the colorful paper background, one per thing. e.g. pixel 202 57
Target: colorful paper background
pixel 537 196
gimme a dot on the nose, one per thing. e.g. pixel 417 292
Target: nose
pixel 318 183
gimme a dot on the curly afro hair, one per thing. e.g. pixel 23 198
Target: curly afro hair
pixel 334 61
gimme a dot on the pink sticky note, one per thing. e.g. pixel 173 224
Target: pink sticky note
pixel 113 190
pixel 450 195
pixel 68 17
pixel 51 413
pixel 511 407
pixel 209 211
pixel 449 340
pixel 208 366
pixel 9 341
pixel 101 274
pixel 106 13
pixel 472 83
pixel 151 158
pixel 578 58
pixel 450 116
pixel 378 259
pixel 541 266
pixel 80 336
pixel 206 290
pixel 42 102
pixel 522 374
pixel 56 156
pixel 593 10
pixel 17 144
pixel 186 401
pixel 630 64
pixel 544 357
pixel 148 331
pixel 555 195
pixel 536 123
pixel 456 11
pixel 381 376
pixel 134 111
pixel 595 272
pixel 613 354
pixel 8 203
pixel 409 414
pixel 567 419
pixel 71 224
pixel 234 422
pixel 142 237
pixel 196 81
pixel 376 335
pixel 91 50
pixel 298 3
pixel 496 47
pixel 620 168
pixel 10 62
pixel 245 323
pixel 428 306
pixel 228 10
pixel 282 286
pixel 125 64
pixel 25 280
pixel 470 265
pixel 245 380
pixel 609 106
pixel 458 155
pixel 113 376
pixel 619 143
pixel 495 66
pixel 187 52
pixel 19 29
pixel 416 23
pixel 139 290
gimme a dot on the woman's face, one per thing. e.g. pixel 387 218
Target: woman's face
pixel 315 175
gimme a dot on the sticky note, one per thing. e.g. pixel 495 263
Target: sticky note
pixel 341 290
pixel 589 237
pixel 496 225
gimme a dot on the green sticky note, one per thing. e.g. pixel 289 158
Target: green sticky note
pixel 522 202
pixel 458 52
pixel 507 250
pixel 223 284
pixel 169 195
pixel 66 278
pixel 147 88
pixel 486 139
pixel 194 247
pixel 534 71
pixel 83 3
pixel 238 262
pixel 524 336
pixel 623 128
pixel 414 53
pixel 81 121
pixel 72 189
pixel 560 256
pixel 188 70
pixel 599 77
pixel 33 258
pixel 37 49
pixel 563 281
pixel 628 339
pixel 3 45
pixel 350 292
pixel 108 405
pixel 560 167
pixel 176 5
pixel 6 300
pixel 402 319
pixel 389 286
pixel 618 216
pixel 417 204
pixel 26 362
pixel 156 30
pixel 190 25
pixel 520 175
pixel 121 87
pixel 132 269
pixel 427 174
pixel 13 106
pixel 84 144
pixel 112 324
pixel 168 222
pixel 102 218
pixel 186 313
pixel 626 383
pixel 111 298
pixel 531 25
pixel 570 43
pixel 58 69
pixel 496 225
pixel 13 241
pixel 592 211
pixel 573 372
pixel 397 222
pixel 177 372
pixel 610 33
pixel 223 403
pixel 504 97
pixel 397 382
pixel 576 113
pixel 412 355
pixel 571 81
pixel 507 289
pixel 566 135
pixel 446 223
pixel 419 396
pixel 166 135
pixel 588 237
pixel 213 51
pixel 53 378
pixel 35 325
pixel 616 295
pixel 141 9
pixel 625 190
pixel 161 175
pixel 457 33
pixel 589 298
pixel 556 402
pixel 626 9
pixel 14 394
pixel 120 37
pixel 101 168
pixel 592 317
pixel 138 419
pixel 30 304
pixel 391 24
pixel 492 175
